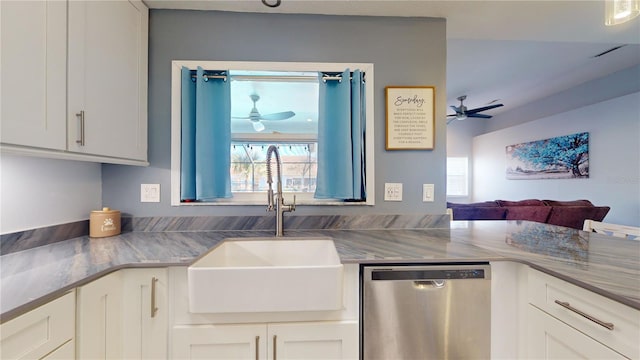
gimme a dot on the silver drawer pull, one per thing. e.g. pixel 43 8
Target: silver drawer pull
pixel 154 307
pixel 80 117
pixel 275 352
pixel 257 347
pixel 568 306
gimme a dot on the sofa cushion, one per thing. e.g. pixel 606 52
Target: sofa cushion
pixel 528 202
pixel 574 216
pixel 568 203
pixel 531 213
pixel 479 213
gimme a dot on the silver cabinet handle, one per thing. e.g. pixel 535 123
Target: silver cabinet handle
pixel 257 347
pixel 80 117
pixel 568 306
pixel 274 348
pixel 154 308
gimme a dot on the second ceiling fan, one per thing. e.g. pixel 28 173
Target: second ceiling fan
pixel 462 112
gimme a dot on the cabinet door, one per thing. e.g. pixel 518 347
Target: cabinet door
pixel 33 73
pixel 64 352
pixel 107 93
pixel 99 314
pixel 40 331
pixel 321 340
pixel 145 313
pixel 220 342
pixel 550 338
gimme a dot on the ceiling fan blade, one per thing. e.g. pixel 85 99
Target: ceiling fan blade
pixel 482 116
pixel 241 117
pixel 450 115
pixel 455 108
pixel 278 116
pixel 476 110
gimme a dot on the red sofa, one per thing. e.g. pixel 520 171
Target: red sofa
pixel 564 213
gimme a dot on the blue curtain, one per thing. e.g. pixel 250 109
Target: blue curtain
pixel 341 129
pixel 206 138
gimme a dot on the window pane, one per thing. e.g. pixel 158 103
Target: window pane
pixel 457 176
pixel 249 172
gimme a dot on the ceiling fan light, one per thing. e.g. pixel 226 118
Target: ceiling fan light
pixel 258 126
pixel 620 11
pixel 461 116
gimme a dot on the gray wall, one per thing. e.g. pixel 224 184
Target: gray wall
pixel 404 51
pixel 614 159
pixel 43 192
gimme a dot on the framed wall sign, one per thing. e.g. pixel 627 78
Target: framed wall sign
pixel 410 117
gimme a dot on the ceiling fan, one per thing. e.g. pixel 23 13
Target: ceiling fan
pixel 462 112
pixel 256 118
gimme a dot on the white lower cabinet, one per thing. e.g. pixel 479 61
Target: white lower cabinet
pixel 46 332
pixel 123 315
pixel 145 313
pixel 322 340
pixel 99 314
pixel 64 352
pixel 304 340
pixel 219 341
pixel 550 338
pixel 264 335
pixel 567 321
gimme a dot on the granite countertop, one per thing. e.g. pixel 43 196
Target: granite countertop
pixel 606 265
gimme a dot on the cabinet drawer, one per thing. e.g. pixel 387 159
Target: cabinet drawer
pixel 554 296
pixel 40 331
pixel 550 338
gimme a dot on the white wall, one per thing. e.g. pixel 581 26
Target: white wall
pixel 460 135
pixel 43 192
pixel 614 159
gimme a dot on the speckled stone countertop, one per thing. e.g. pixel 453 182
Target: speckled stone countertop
pixel 606 265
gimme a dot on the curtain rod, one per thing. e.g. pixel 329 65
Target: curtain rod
pixel 298 78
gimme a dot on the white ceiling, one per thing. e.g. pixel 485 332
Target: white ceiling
pixel 513 51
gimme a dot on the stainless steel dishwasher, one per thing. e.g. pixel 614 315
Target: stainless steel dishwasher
pixel 440 311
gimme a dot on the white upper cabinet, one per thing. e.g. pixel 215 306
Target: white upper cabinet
pixel 74 79
pixel 34 73
pixel 107 98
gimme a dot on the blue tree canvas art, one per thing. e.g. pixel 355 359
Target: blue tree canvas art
pixel 562 157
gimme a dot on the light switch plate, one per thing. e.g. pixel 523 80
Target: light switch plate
pixel 149 192
pixel 393 192
pixel 427 192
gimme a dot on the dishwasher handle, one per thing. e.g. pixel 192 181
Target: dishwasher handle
pixel 429 284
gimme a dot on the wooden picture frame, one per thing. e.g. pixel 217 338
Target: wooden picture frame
pixel 410 117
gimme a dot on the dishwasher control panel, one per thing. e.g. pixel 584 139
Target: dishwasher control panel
pixel 430 273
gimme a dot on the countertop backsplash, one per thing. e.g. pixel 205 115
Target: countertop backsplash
pixel 28 239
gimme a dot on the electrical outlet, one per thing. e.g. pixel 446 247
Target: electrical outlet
pixel 427 192
pixel 393 192
pixel 149 192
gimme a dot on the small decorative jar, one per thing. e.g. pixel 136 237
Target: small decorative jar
pixel 103 223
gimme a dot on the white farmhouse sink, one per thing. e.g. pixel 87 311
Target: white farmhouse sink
pixel 267 275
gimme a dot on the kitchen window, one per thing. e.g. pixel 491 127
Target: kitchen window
pixel 280 104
